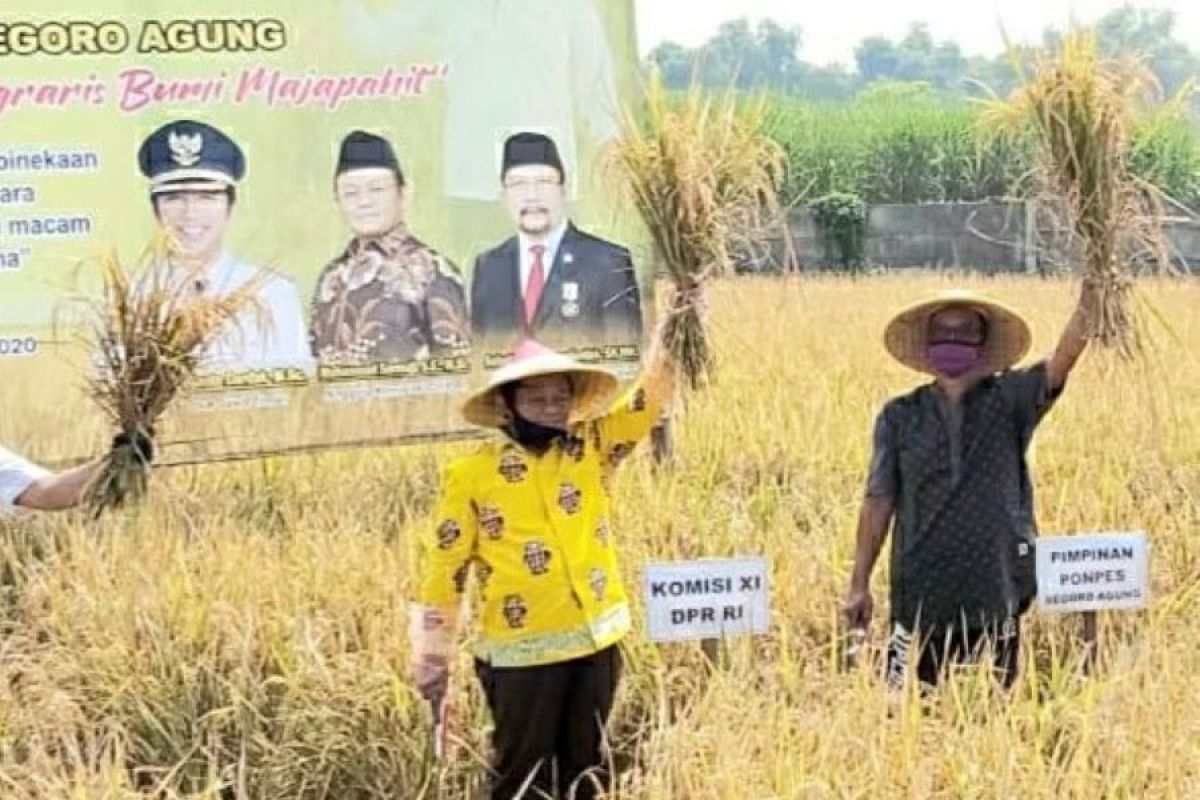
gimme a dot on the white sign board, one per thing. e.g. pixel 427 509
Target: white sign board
pixel 706 599
pixel 1093 573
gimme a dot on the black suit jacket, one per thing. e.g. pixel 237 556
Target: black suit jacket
pixel 600 274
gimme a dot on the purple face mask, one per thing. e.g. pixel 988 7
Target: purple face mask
pixel 954 360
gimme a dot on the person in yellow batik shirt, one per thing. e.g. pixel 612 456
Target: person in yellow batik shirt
pixel 530 515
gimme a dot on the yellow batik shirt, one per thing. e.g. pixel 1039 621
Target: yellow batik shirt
pixel 536 532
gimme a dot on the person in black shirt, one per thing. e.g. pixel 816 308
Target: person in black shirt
pixel 949 474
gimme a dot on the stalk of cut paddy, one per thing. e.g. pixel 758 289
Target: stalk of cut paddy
pixel 1082 107
pixel 149 332
pixel 705 178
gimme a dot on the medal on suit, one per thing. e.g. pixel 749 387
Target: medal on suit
pixel 570 299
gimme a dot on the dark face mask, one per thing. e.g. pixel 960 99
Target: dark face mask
pixel 531 435
pixel 527 433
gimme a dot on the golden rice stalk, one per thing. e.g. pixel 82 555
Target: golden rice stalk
pixel 1082 107
pixel 148 333
pixel 704 176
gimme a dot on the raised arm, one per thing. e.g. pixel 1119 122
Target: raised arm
pixel 1074 338
pixel 633 416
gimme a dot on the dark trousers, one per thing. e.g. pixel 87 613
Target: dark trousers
pixel 550 724
pixel 931 653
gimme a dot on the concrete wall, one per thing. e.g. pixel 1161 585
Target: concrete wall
pixel 988 237
pixel 1185 239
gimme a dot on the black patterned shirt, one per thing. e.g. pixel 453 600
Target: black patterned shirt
pixel 964 531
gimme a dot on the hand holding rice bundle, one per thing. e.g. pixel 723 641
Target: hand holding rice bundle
pixel 1082 108
pixel 704 177
pixel 149 332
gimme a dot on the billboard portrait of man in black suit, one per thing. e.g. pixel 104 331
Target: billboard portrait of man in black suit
pixel 551 281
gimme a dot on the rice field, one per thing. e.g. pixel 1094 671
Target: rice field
pixel 243 635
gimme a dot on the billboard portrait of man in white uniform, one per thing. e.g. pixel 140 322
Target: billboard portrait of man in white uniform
pixel 194 170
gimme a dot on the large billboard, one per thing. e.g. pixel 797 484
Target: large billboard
pixel 413 187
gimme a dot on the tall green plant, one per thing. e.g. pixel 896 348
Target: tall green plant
pixel 927 149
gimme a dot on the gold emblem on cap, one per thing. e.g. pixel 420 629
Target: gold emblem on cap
pixel 185 150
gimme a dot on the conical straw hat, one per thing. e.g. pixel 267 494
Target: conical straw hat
pixel 1008 337
pixel 593 386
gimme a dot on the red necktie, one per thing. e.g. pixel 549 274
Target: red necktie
pixel 535 283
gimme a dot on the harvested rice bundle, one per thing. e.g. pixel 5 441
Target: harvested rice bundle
pixel 1082 108
pixel 705 178
pixel 149 332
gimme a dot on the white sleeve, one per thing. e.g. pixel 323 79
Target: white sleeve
pixel 292 331
pixel 16 475
pixel 287 337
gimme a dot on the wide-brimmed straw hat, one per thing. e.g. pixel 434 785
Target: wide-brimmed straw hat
pixel 1008 337
pixel 593 386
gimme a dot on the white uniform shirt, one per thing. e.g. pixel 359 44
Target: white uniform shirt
pixel 268 334
pixel 16 475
